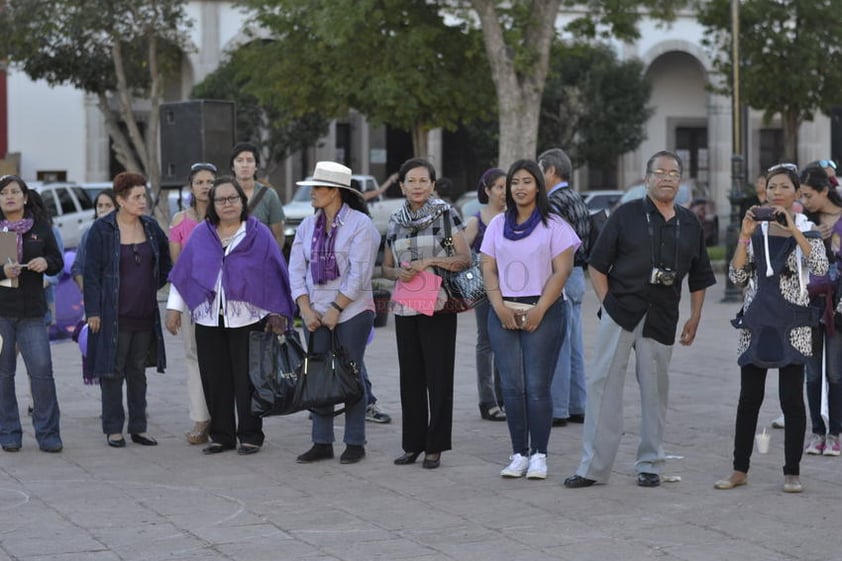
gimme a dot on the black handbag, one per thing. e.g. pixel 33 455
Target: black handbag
pixel 327 378
pixel 273 360
pixel 465 289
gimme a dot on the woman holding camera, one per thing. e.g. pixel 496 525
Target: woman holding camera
pixel 777 251
pixel 527 255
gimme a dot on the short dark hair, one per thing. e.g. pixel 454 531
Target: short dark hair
pixel 664 154
pixel 212 215
pixel 542 202
pixel 413 163
pixel 125 181
pixel 559 160
pixel 244 147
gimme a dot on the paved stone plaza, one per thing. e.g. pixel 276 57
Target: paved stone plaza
pixel 95 503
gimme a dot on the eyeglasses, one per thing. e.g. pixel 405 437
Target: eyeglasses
pixel 233 199
pixel 663 174
pixel 791 167
pixel 827 164
pixel 203 166
pixel 136 254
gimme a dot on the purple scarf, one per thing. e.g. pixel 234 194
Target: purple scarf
pixel 514 231
pixel 19 227
pixel 254 271
pixel 323 265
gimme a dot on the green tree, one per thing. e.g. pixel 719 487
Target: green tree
pixel 119 51
pixel 395 61
pixel 518 35
pixel 594 105
pixel 790 53
pixel 269 125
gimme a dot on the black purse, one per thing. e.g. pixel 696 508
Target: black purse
pixel 273 360
pixel 327 378
pixel 465 289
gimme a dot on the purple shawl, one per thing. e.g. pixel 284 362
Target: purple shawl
pixel 254 271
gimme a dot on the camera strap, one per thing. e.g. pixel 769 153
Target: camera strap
pixel 652 239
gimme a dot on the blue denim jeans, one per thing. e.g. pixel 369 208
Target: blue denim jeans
pixel 352 335
pixel 526 362
pixel 30 336
pixel 568 389
pixel 823 342
pixel 488 376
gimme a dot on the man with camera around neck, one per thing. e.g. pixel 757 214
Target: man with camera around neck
pixel 644 251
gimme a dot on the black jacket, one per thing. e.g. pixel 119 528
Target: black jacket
pixel 27 300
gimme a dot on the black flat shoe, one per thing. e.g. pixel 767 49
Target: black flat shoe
pixel 577 482
pixel 116 442
pixel 248 449
pixel 430 463
pixel 53 450
pixel 215 448
pixel 407 458
pixel 648 479
pixel 353 453
pixel 11 448
pixel 316 453
pixel 144 440
pixel 559 422
pixel 578 419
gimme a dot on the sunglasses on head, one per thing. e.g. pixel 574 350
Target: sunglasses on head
pixel 203 166
pixel 791 167
pixel 827 164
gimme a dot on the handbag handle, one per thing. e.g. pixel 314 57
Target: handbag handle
pixel 447 242
pixel 334 345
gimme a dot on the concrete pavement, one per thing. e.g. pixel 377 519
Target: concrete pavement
pixel 95 503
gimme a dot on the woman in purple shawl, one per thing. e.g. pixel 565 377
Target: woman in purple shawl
pixel 234 280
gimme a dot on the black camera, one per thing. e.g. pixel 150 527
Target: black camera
pixel 767 214
pixel 665 277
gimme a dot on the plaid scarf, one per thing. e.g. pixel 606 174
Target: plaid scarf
pixel 416 220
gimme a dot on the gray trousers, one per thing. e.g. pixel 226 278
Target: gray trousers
pixel 604 413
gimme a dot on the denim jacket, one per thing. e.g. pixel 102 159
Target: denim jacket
pixel 102 289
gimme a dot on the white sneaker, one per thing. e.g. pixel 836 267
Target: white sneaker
pixel 816 445
pixel 537 466
pixel 778 423
pixel 517 467
pixel 831 445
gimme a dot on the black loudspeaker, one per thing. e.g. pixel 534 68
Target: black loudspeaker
pixel 195 131
pixel 835 134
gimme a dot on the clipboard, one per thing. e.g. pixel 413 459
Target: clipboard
pixel 8 251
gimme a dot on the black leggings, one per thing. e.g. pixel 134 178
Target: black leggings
pixel 791 393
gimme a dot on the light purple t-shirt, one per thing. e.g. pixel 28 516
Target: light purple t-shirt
pixel 524 266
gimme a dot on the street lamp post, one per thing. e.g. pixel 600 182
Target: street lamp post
pixel 732 292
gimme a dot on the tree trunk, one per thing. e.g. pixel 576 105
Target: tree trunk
pixel 126 110
pixel 122 147
pixel 790 122
pixel 419 140
pixel 153 166
pixel 519 86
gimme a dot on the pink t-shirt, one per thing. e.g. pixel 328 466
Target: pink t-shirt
pixel 182 231
pixel 524 266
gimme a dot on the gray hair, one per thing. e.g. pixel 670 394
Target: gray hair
pixel 558 159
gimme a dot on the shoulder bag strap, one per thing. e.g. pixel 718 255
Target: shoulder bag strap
pixel 257 198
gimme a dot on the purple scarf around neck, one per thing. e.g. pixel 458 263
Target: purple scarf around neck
pixel 19 227
pixel 254 271
pixel 323 266
pixel 514 231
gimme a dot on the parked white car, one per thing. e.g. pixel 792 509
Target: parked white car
pixel 70 206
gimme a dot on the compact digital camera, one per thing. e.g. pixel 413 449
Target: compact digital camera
pixel 664 277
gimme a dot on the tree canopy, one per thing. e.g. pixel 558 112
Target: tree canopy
pixel 594 105
pixel 790 53
pixel 268 124
pixel 119 49
pixel 396 61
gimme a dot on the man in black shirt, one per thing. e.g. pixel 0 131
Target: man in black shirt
pixel 644 251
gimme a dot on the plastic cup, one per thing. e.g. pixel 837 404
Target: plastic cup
pixel 763 441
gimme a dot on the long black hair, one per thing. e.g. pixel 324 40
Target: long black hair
pixel 816 177
pixel 31 207
pixel 542 202
pixel 353 200
pixel 105 193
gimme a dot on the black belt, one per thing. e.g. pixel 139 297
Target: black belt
pixel 522 299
